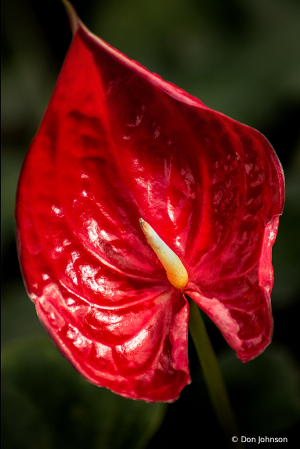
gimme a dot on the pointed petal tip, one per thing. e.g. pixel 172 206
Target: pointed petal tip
pixel 72 15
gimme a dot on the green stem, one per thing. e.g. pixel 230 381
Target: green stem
pixel 213 377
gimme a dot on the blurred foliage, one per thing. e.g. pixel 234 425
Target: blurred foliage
pixel 263 407
pixel 286 253
pixel 239 57
pixel 52 406
pixel 264 394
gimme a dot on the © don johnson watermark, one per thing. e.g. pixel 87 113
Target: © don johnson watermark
pixel 259 440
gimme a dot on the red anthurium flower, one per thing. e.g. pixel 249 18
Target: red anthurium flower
pixel 118 144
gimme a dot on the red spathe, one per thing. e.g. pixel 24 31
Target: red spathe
pixel 118 143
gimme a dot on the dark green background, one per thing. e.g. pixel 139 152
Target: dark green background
pixel 239 57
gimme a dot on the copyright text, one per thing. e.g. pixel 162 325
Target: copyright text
pixel 260 440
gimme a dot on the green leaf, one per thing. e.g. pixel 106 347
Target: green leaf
pixel 52 406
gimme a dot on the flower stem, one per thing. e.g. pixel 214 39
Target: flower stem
pixel 213 376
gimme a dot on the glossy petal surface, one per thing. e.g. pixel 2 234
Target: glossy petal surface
pixel 118 143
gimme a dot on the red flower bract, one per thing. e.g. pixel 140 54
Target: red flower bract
pixel 118 143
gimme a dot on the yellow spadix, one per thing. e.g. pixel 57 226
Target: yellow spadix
pixel 175 269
